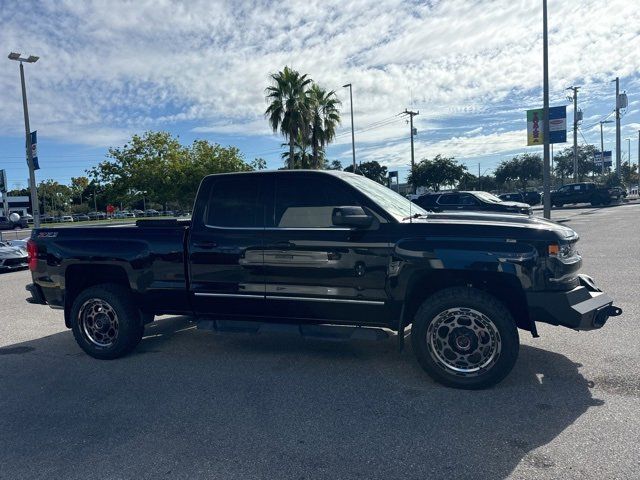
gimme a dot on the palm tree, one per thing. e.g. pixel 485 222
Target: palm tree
pixel 287 110
pixel 325 117
pixel 300 157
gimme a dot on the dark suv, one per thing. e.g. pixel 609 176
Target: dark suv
pixel 470 201
pixel 7 224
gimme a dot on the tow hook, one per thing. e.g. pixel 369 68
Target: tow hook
pixel 602 315
pixel 614 311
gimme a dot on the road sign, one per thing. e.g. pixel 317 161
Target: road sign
pixel 557 125
pixel 598 158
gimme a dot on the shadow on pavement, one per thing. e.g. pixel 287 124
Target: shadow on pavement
pixel 193 404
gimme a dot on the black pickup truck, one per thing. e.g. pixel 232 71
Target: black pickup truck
pixel 586 192
pixel 327 254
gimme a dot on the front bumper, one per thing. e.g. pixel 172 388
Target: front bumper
pixel 585 307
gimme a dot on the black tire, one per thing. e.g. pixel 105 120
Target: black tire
pixel 92 321
pixel 596 201
pixel 483 319
pixel 558 204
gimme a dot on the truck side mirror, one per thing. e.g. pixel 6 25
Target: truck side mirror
pixel 351 217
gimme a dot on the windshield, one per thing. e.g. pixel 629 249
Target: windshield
pixel 488 197
pixel 392 202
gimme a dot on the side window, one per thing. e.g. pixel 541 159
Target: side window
pixel 449 199
pixel 576 187
pixel 234 202
pixel 468 200
pixel 308 201
pixel 564 189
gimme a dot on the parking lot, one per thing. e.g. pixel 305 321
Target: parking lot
pixel 190 404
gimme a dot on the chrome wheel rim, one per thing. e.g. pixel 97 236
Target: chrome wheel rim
pixel 98 322
pixel 463 341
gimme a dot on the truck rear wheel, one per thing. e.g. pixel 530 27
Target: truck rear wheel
pixel 105 322
pixel 465 338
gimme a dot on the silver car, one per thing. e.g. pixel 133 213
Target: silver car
pixel 12 258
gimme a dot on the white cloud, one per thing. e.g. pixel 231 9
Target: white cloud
pixel 111 68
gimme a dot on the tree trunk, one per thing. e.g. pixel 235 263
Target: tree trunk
pixel 291 140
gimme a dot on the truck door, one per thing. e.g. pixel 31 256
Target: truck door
pixel 315 270
pixel 225 246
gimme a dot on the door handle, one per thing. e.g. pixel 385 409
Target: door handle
pixel 282 245
pixel 205 245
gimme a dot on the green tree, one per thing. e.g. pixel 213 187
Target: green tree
pixel 372 170
pixel 258 163
pixel 78 186
pixel 324 117
pixel 436 173
pixel 521 169
pixel 301 157
pixel 563 162
pixel 288 105
pixel 156 163
pixel 333 165
pixel 54 197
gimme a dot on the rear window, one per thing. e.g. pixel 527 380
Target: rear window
pixel 234 202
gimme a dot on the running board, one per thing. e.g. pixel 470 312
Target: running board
pixel 323 332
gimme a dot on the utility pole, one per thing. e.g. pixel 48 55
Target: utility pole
pixel 545 95
pixel 575 131
pixel 353 140
pixel 479 178
pixel 639 163
pixel 602 147
pixel 35 208
pixel 618 150
pixel 411 115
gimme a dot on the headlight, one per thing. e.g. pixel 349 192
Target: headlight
pixel 562 251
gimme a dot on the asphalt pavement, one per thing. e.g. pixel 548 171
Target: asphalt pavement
pixel 191 404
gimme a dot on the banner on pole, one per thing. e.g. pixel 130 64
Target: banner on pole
pixel 3 181
pixel 34 150
pixel 557 125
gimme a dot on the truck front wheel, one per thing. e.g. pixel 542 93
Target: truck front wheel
pixel 465 338
pixel 105 322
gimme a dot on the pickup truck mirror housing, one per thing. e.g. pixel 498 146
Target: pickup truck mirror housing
pixel 351 217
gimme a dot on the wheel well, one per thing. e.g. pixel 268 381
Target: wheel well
pixel 81 277
pixel 504 287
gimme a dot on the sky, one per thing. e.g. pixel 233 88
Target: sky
pixel 198 69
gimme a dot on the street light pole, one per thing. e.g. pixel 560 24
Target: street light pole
pixel 353 140
pixel 575 132
pixel 545 95
pixel 35 208
pixel 618 149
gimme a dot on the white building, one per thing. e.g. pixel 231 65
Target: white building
pixel 20 205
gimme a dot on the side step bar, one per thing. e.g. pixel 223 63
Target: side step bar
pixel 323 332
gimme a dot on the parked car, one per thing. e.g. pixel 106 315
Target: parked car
pixel 532 197
pixel 512 197
pixel 46 219
pixel 81 218
pixel 19 243
pixel 97 215
pixel 8 224
pixel 470 201
pixel 151 213
pixel 324 254
pixel 139 213
pixel 585 192
pixel 66 219
pixel 28 217
pixel 12 258
pixel 129 215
